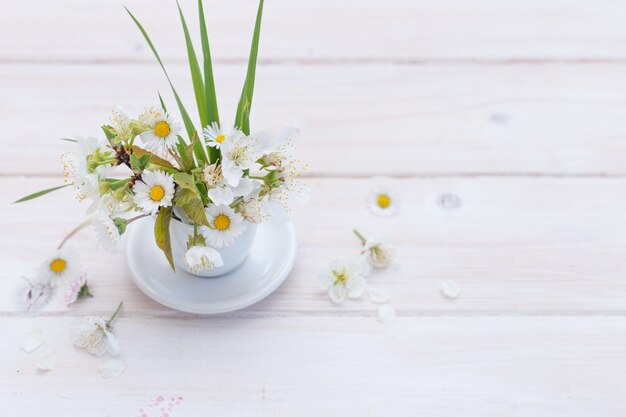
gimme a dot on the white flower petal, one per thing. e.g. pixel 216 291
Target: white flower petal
pixel 386 313
pixel 378 295
pixel 450 289
pixel 111 368
pixel 337 293
pixel 203 258
pixel 113 344
pixel 29 341
pixel 356 287
pixel 47 363
pixel 221 195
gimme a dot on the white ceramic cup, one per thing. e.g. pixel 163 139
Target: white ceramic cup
pixel 232 256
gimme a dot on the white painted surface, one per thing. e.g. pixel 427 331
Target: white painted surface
pixel 502 125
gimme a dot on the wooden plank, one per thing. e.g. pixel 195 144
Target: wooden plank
pixel 402 30
pixel 514 245
pixel 355 120
pixel 496 366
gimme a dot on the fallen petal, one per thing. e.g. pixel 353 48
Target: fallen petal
pixel 47 363
pixel 111 368
pixel 386 314
pixel 450 289
pixel 31 340
pixel 378 295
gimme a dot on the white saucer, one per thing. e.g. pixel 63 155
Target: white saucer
pixel 271 258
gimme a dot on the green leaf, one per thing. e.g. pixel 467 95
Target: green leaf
pixel 209 84
pixel 242 119
pixel 140 152
pixel 109 132
pixel 200 153
pixel 196 76
pixel 40 193
pixel 162 233
pixel 191 204
pixel 140 163
pixel 186 181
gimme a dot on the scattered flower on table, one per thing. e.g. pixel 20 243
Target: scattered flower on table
pixel 30 340
pixel 111 368
pixel 60 268
pixel 47 363
pixel 386 313
pixel 36 294
pixel 203 259
pixel 382 201
pixel 378 295
pixel 77 290
pixel 377 254
pixel 344 279
pixel 450 289
pixel 160 406
pixel 95 334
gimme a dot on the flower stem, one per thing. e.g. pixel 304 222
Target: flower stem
pixel 360 236
pixel 74 231
pixel 114 315
pixel 132 219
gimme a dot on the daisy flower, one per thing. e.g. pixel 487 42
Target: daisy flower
pixel 94 334
pixel 343 279
pixel 238 154
pixel 162 131
pixel 155 190
pixel 227 225
pixel 376 253
pixel 60 268
pixel 76 290
pixel 108 233
pixel 382 201
pixel 202 258
pixel 216 135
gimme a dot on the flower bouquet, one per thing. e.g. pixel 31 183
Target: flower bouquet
pixel 206 188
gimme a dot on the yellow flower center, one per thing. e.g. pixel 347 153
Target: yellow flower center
pixel 383 200
pixel 220 138
pixel 57 266
pixel 221 222
pixel 157 193
pixel 162 129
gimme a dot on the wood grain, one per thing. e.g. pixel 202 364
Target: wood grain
pixel 515 246
pixel 323 30
pixel 499 366
pixel 355 120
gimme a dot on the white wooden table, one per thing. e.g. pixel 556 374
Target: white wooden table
pixel 517 108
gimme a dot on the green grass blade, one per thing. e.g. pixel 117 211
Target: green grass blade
pixel 200 153
pixel 40 193
pixel 242 119
pixel 162 102
pixel 196 76
pixel 209 83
